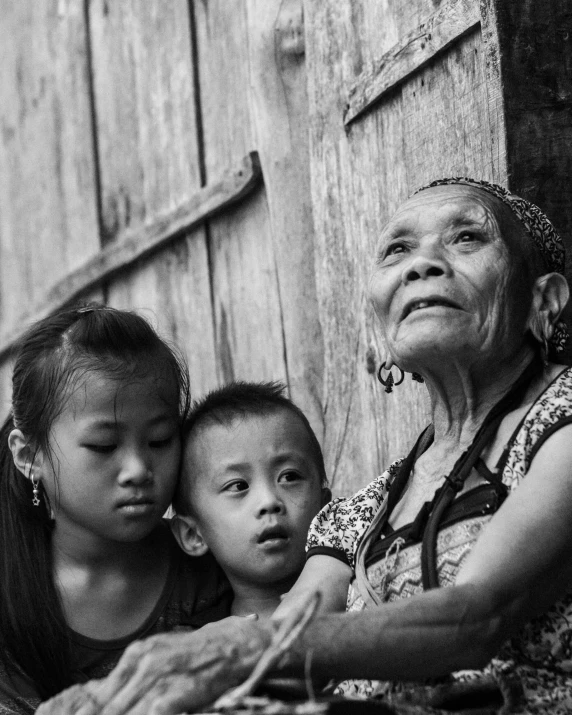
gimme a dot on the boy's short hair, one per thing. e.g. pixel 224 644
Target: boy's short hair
pixel 241 399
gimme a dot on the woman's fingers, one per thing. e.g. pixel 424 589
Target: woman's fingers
pixel 203 664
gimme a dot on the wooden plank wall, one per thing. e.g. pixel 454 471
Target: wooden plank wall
pixel 253 94
pixel 115 114
pixel 48 206
pixel 146 125
pixel 436 122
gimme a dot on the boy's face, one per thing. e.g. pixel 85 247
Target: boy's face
pixel 254 491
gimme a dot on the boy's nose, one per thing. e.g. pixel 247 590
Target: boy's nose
pixel 270 503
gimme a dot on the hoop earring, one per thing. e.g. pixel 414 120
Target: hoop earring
pixel 35 490
pixel 389 383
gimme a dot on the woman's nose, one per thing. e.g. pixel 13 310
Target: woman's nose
pixel 136 470
pixel 426 264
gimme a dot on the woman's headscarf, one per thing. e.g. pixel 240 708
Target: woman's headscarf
pixel 537 226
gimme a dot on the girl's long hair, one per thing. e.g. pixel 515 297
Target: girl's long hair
pixel 50 359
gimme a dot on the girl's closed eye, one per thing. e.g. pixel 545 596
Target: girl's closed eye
pixel 100 448
pixel 163 442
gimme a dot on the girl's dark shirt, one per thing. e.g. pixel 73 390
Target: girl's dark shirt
pixel 196 592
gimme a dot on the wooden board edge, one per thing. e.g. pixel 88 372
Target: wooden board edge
pixel 133 245
pixel 453 20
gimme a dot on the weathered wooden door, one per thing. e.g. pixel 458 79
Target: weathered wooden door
pixel 155 155
pixel 402 93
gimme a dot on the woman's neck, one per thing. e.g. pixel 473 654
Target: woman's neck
pixel 463 394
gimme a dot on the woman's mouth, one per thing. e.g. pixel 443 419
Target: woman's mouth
pixel 423 303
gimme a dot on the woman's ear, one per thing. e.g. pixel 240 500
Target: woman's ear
pixel 22 453
pixel 550 294
pixel 188 535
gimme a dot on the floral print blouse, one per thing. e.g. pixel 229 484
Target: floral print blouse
pixel 539 658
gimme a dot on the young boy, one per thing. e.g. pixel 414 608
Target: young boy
pixel 252 480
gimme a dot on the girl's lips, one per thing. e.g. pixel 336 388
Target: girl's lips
pixel 137 507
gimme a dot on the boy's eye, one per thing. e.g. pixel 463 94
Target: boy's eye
pixel 238 485
pixel 290 476
pixel 101 448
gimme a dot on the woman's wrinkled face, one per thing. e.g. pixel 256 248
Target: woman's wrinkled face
pixel 442 283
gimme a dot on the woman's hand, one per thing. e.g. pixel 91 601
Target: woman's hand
pixel 171 672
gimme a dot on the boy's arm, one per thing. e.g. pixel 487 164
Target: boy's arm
pixel 326 574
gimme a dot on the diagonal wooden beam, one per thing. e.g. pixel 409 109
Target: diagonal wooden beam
pixel 133 245
pixel 451 21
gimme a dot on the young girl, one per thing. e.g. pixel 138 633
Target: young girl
pixel 88 462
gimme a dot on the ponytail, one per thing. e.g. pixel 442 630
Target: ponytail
pixel 32 624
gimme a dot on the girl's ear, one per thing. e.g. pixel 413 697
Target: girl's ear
pixel 188 535
pixel 22 453
pixel 550 294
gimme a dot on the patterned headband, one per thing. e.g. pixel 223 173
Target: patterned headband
pixel 538 227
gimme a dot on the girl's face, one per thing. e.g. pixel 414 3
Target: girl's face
pixel 115 452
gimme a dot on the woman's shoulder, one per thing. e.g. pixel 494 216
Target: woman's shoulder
pixel 551 411
pixel 338 526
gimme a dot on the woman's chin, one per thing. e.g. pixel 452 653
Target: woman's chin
pixel 424 348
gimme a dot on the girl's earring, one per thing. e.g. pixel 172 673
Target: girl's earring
pixel 35 490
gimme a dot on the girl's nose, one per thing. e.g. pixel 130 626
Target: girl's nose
pixel 136 470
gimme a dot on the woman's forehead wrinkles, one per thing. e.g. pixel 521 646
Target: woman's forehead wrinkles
pixel 441 212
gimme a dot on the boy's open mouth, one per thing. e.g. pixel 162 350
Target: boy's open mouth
pixel 271 533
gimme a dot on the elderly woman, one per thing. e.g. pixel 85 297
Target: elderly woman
pixel 458 557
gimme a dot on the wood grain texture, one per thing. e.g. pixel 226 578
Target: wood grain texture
pixel 533 70
pixel 150 163
pixel 136 244
pixel 48 192
pixel 433 124
pixel 447 25
pixel 279 107
pixel 254 95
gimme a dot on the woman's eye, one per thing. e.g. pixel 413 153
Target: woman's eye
pixel 397 248
pixel 101 448
pixel 466 237
pixel 237 486
pixel 394 249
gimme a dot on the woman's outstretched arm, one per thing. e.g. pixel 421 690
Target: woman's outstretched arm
pixel 322 574
pixel 521 564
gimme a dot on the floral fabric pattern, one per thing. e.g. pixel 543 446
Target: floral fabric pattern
pixel 540 655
